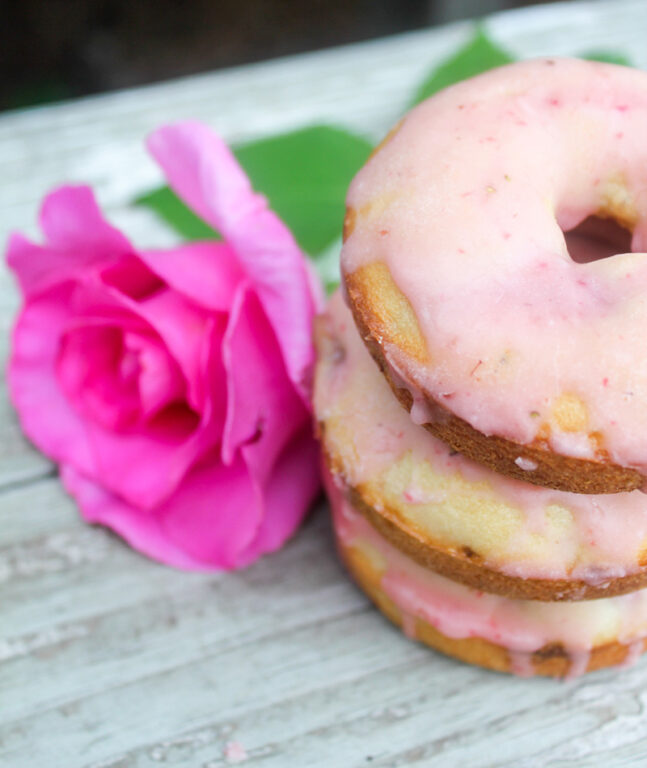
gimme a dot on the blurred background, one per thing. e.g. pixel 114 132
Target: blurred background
pixel 59 49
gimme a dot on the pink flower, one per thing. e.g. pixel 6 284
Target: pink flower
pixel 172 386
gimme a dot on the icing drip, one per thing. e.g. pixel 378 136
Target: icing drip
pixel 521 663
pixel 579 663
pixel 634 651
pixel 420 411
pixel 576 444
pixel 408 625
pixel 521 626
pixel 525 531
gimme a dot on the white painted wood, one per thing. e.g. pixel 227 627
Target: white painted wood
pixel 110 661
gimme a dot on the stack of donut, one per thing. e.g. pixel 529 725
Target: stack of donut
pixel 486 476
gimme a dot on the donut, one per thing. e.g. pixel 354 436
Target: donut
pixel 523 637
pixel 456 517
pixel 494 261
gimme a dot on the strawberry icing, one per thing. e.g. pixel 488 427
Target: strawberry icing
pixel 469 202
pixel 373 441
pixel 521 626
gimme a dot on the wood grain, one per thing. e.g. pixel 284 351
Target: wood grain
pixel 110 661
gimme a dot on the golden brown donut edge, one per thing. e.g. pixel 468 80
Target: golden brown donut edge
pixel 384 316
pixel 464 566
pixel 550 661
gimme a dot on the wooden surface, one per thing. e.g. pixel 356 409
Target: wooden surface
pixel 110 661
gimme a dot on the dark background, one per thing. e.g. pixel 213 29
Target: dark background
pixel 56 49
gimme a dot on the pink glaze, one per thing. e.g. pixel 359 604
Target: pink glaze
pixel 409 625
pixel 607 534
pixel 475 190
pixel 521 663
pixel 634 651
pixel 521 626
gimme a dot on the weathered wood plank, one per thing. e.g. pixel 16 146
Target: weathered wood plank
pixel 284 664
pixel 154 624
pixel 84 572
pixel 31 514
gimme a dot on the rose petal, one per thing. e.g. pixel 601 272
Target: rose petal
pixel 194 338
pixel 207 273
pixel 170 445
pixel 132 277
pixel 160 381
pixel 141 529
pixel 204 525
pixel 77 238
pixel 292 486
pixel 45 414
pixel 262 403
pixel 146 466
pixel 181 325
pixel 204 173
pixel 91 371
pixel 214 521
pixel 215 513
pixel 183 328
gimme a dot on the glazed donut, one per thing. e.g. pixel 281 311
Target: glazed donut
pixel 453 516
pixel 517 344
pixel 520 636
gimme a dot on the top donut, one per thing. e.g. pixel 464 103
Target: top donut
pixel 494 260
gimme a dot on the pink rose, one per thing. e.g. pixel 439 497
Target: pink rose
pixel 172 386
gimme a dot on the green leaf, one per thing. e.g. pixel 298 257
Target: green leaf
pixel 608 57
pixel 478 55
pixel 304 174
pixel 168 206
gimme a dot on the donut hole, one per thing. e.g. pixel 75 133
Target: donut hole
pixel 597 238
